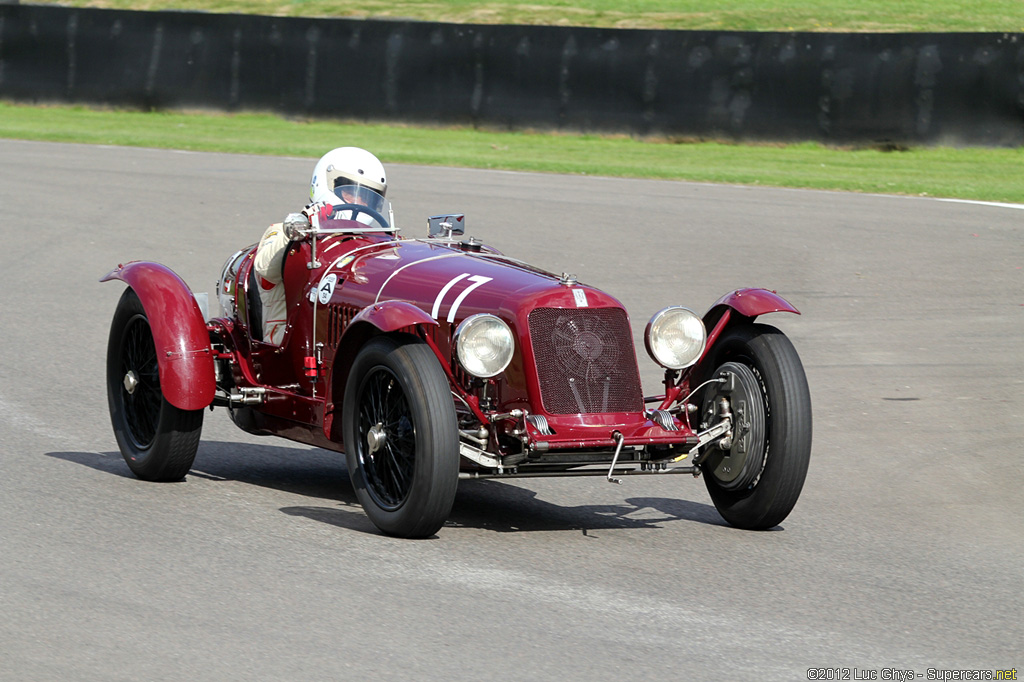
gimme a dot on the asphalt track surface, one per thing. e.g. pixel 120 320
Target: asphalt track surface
pixel 905 551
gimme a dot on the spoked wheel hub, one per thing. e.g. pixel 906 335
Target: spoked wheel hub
pixel 389 455
pixel 141 384
pixel 376 438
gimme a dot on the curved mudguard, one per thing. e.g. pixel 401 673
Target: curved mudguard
pixel 753 302
pixel 389 316
pixel 187 377
pixel 379 318
pixel 392 315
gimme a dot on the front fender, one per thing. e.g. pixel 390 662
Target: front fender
pixel 379 318
pixel 185 358
pixel 748 303
pixel 753 302
pixel 391 316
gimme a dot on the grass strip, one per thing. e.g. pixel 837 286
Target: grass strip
pixel 734 15
pixel 969 173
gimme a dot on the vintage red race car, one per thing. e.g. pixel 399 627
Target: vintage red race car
pixel 430 360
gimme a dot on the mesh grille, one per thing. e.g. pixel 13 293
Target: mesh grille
pixel 585 360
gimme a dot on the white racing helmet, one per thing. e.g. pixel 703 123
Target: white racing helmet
pixel 349 175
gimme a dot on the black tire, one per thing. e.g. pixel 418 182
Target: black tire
pixel 398 398
pixel 158 440
pixel 756 483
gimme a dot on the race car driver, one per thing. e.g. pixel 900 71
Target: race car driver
pixel 346 175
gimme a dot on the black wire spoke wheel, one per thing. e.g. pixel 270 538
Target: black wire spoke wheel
pixel 140 390
pixel 384 415
pixel 157 440
pixel 401 437
pixel 755 474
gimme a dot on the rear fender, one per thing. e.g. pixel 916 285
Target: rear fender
pixel 187 377
pixel 380 318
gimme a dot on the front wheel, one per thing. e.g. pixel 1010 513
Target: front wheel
pixel 755 474
pixel 157 440
pixel 401 437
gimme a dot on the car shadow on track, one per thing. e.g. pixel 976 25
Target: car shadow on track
pixel 506 508
pixel 107 462
pixel 311 472
pixel 486 505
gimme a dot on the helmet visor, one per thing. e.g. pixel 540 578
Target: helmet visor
pixel 359 194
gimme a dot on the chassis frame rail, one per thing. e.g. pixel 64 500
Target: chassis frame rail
pixel 646 471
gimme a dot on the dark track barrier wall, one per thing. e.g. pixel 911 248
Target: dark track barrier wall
pixel 838 88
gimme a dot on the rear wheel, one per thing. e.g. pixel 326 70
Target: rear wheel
pixel 157 440
pixel 401 437
pixel 755 476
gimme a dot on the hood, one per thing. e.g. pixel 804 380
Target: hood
pixel 451 284
pixel 574 347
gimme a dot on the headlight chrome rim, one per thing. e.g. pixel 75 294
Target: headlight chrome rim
pixel 666 321
pixel 467 339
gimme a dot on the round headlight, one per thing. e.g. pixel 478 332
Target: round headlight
pixel 484 345
pixel 675 337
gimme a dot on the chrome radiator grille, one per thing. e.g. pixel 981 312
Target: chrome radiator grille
pixel 585 360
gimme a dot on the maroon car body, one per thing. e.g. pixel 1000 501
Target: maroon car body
pixel 373 330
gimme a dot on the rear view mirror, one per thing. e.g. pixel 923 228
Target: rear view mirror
pixel 447 225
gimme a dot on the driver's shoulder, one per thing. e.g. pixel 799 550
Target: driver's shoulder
pixel 270 251
pixel 271 231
